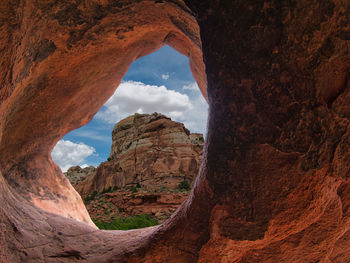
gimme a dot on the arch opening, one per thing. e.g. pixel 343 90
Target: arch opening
pixel 276 164
pixel 52 96
pixel 154 160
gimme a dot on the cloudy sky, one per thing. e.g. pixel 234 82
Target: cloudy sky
pixel 160 82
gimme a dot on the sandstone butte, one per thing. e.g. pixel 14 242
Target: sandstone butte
pixel 274 179
pixel 148 151
pixel 150 155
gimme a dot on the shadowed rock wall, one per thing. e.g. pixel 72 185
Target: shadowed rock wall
pixel 278 159
pixel 274 182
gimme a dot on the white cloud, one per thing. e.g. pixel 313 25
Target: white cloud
pixel 192 86
pixel 93 135
pixel 165 76
pixel 196 119
pixel 67 154
pixel 132 96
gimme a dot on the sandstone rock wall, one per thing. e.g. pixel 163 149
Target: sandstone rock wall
pixel 274 184
pixel 151 151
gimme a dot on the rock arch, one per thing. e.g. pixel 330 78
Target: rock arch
pixel 274 181
pixel 71 62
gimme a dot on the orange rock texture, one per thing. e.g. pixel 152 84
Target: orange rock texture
pixel 274 181
pixel 150 151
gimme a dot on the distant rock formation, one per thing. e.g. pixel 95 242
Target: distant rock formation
pixel 75 173
pixel 148 150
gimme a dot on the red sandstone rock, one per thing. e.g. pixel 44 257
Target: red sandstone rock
pixel 61 38
pixel 121 203
pixel 151 151
pixel 274 182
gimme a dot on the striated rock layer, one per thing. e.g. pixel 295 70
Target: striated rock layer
pixel 150 151
pixel 274 181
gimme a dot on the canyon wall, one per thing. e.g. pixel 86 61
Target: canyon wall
pixel 274 181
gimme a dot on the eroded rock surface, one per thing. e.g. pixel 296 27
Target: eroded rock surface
pixel 274 183
pixel 148 150
pixel 75 174
pixel 39 59
pixel 125 203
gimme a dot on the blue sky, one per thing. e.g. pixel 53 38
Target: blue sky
pixel 160 82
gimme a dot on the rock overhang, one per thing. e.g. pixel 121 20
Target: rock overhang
pixel 274 178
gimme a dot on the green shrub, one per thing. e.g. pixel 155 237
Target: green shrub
pixel 163 188
pixel 90 197
pixel 126 223
pixel 134 189
pixel 201 139
pixel 115 188
pixel 184 185
pixel 109 159
pixel 94 195
pixel 108 190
